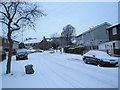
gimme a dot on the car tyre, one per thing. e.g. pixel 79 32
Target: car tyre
pixel 85 61
pixel 17 58
pixel 100 64
pixel 95 64
pixel 26 58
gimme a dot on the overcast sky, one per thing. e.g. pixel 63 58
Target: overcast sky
pixel 81 15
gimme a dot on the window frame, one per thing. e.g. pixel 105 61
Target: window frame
pixel 114 31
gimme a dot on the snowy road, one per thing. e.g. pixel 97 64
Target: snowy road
pixel 55 70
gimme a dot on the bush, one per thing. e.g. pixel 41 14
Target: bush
pixel 74 50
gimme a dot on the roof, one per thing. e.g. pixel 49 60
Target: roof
pixel 34 40
pixel 113 26
pixel 92 29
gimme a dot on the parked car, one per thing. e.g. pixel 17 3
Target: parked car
pixel 100 58
pixel 21 54
pixel 39 50
pixel 31 50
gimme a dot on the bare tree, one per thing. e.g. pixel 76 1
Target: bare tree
pixel 54 35
pixel 17 15
pixel 68 33
pixel 55 43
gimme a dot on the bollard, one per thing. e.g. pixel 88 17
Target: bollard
pixel 29 69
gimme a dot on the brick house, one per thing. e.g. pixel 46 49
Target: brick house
pixel 37 43
pixel 4 44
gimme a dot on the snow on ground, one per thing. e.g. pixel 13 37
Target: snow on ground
pixel 0 76
pixel 55 70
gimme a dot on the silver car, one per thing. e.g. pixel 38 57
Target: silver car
pixel 21 54
pixel 100 58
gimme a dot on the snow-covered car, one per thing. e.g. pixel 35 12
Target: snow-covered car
pixel 21 54
pixel 39 50
pixel 31 50
pixel 100 58
pixel 34 50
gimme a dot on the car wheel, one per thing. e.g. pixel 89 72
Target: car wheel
pixel 100 64
pixel 17 58
pixel 26 57
pixel 85 61
pixel 115 65
pixel 95 64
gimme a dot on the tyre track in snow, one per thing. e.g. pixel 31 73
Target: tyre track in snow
pixel 88 74
pixel 52 76
pixel 63 74
pixel 87 67
pixel 58 74
pixel 45 74
pixel 66 77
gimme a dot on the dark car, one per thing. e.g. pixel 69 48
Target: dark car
pixel 100 58
pixel 21 54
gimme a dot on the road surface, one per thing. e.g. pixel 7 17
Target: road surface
pixel 55 70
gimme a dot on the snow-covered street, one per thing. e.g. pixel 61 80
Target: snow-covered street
pixel 55 70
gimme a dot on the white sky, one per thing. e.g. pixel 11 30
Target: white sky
pixel 81 15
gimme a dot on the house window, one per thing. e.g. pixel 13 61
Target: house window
pixel 113 45
pixel 114 31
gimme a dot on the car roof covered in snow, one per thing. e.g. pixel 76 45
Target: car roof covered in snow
pixel 99 54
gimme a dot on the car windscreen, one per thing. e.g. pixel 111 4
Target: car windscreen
pixel 21 51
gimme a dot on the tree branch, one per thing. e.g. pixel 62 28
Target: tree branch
pixel 21 19
pixel 10 6
pixel 4 14
pixel 4 22
pixel 15 10
pixel 5 8
pixel 15 29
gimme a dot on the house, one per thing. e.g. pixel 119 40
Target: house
pixel 37 43
pixel 4 44
pixel 30 42
pixel 44 44
pixel 113 46
pixel 90 39
pixel 114 32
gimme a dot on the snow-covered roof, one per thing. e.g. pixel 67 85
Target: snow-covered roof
pixel 113 26
pixel 34 40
